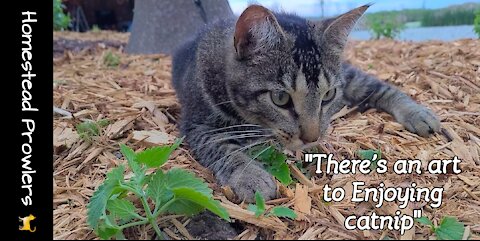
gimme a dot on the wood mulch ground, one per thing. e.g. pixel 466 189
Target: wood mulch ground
pixel 137 99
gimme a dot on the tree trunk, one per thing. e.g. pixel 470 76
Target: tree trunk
pixel 160 25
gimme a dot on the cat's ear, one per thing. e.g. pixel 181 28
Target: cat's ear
pixel 256 30
pixel 334 32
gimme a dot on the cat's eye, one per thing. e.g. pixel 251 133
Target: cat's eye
pixel 280 98
pixel 329 95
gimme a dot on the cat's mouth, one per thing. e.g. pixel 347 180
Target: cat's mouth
pixel 299 145
pixel 294 143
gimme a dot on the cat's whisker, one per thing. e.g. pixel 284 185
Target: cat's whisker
pixel 223 103
pixel 254 158
pixel 242 136
pixel 242 132
pixel 261 152
pixel 243 149
pixel 230 127
pixel 235 137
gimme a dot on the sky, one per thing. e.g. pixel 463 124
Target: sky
pixel 312 8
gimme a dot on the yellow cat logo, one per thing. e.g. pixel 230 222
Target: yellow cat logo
pixel 26 223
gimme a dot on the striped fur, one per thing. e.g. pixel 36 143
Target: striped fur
pixel 225 91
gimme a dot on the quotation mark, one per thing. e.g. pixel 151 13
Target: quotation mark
pixel 417 213
pixel 308 157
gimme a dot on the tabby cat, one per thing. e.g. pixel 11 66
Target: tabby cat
pixel 273 77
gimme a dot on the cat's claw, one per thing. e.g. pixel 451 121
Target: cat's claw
pixel 420 120
pixel 246 181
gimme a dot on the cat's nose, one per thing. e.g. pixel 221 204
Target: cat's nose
pixel 310 133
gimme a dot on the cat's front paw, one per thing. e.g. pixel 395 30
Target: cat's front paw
pixel 245 181
pixel 419 119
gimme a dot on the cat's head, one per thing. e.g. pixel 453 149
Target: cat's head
pixel 285 72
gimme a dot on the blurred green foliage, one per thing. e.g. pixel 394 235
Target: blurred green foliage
pixel 453 15
pixel 95 29
pixel 111 60
pixel 384 26
pixel 446 18
pixel 476 25
pixel 60 19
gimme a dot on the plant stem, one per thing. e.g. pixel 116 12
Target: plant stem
pixel 133 224
pixel 158 231
pixel 150 217
pixel 163 208
pixel 131 189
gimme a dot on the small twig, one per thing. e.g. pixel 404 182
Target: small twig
pixel 471 193
pixel 447 134
pixel 62 112
pixel 169 116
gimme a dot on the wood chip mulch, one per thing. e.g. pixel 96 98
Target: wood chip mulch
pixel 138 100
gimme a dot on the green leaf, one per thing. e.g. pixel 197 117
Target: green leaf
pixel 281 172
pixel 139 178
pixel 260 202
pixel 274 162
pixel 103 122
pixel 88 129
pixel 450 229
pixel 157 156
pixel 106 232
pixel 122 208
pixel 177 183
pixel 177 178
pixel 128 153
pixel 157 190
pixel 425 220
pixel 146 180
pixel 185 207
pixel 252 208
pixel 160 190
pixel 369 155
pixel 136 167
pixel 283 212
pixel 120 236
pixel 106 227
pixel 193 196
pixel 98 202
pixel 111 60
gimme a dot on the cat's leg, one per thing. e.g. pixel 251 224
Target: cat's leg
pixel 229 163
pixel 367 91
